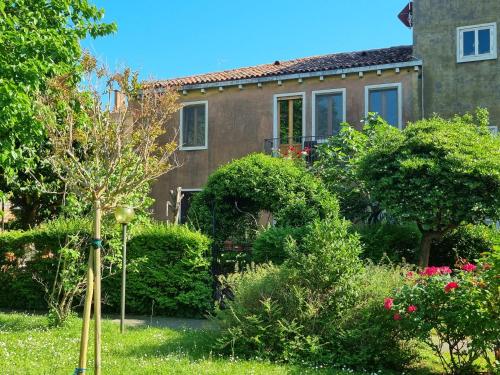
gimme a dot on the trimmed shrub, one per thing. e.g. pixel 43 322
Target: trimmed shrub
pixel 270 245
pixel 466 242
pixel 34 254
pixel 168 268
pixel 391 242
pixel 172 273
pixel 236 193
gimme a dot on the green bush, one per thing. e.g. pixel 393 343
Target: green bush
pixel 236 193
pixel 318 307
pixel 467 242
pixel 168 266
pixel 269 246
pixel 29 258
pixel 364 338
pixel 287 312
pixel 391 242
pixel 455 309
pixel 172 275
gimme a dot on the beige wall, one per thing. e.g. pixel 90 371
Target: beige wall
pixel 240 120
pixel 451 87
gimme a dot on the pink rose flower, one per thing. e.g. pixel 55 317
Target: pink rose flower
pixel 397 316
pixel 388 303
pixel 412 308
pixel 469 267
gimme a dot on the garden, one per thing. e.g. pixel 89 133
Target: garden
pixel 376 252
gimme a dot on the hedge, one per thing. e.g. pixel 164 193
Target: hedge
pixel 169 272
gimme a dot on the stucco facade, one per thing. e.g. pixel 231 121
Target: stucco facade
pixel 449 86
pixel 240 119
pixel 241 103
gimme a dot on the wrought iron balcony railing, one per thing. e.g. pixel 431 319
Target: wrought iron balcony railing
pixel 304 147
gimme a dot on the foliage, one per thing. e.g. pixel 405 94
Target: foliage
pixel 270 244
pixel 39 39
pixel 365 338
pixel 45 268
pixel 238 191
pixel 287 313
pixel 467 242
pixel 454 312
pixel 105 155
pixel 437 173
pixel 338 162
pixel 172 273
pixel 389 242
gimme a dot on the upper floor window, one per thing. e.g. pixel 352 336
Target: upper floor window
pixel 386 100
pixel 194 126
pixel 478 42
pixel 329 111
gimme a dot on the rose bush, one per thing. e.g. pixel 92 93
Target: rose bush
pixel 454 312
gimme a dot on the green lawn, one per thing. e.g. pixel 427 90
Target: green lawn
pixel 28 347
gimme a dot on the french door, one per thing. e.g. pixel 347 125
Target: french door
pixel 289 120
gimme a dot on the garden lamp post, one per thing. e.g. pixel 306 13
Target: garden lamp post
pixel 124 216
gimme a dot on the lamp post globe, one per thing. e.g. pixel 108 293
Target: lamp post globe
pixel 124 214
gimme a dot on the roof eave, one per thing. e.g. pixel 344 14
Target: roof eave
pixel 283 77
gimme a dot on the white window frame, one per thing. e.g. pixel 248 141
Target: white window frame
pixel 342 91
pixel 276 97
pixel 477 57
pixel 192 148
pixel 384 86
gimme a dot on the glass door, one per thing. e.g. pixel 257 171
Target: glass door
pixel 290 117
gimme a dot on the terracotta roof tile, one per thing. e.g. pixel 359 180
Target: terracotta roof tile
pixel 335 61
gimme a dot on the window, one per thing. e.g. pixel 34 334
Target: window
pixel 194 126
pixel 329 111
pixel 289 120
pixel 386 101
pixel 477 42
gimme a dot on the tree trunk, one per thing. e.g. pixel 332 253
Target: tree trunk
pixel 425 246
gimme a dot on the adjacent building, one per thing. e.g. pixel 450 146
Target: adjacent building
pixel 451 67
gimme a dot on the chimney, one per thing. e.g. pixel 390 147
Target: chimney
pixel 119 100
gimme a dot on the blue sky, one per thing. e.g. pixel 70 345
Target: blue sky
pixel 173 38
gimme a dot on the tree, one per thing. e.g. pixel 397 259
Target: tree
pixel 106 156
pixel 39 39
pixel 338 163
pixel 439 173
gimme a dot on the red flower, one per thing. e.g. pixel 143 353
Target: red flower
pixel 397 316
pixel 433 270
pixel 412 308
pixel 450 286
pixel 410 274
pixel 469 267
pixel 388 303
pixel 444 270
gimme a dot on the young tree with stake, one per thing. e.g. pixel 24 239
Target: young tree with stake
pixel 105 155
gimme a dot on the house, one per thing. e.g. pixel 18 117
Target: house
pixel 451 67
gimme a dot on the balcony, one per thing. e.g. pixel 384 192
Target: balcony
pixel 285 145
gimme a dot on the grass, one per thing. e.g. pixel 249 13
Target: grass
pixel 28 347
